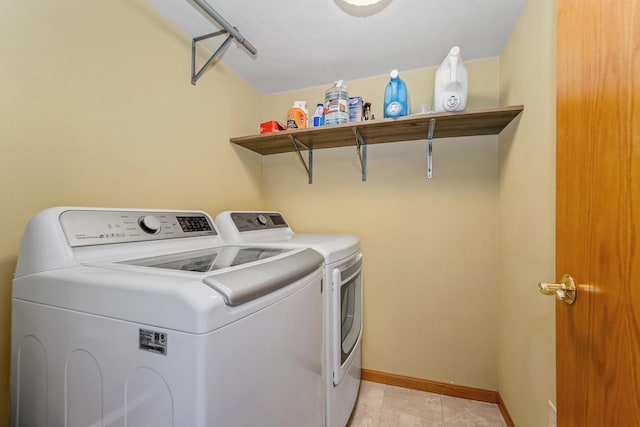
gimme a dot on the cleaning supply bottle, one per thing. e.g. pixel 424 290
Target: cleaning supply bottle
pixel 396 98
pixel 298 116
pixel 303 106
pixel 336 104
pixel 450 91
pixel 318 116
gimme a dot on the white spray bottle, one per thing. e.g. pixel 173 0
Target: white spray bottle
pixel 450 91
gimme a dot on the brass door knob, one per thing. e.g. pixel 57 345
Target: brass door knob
pixel 564 291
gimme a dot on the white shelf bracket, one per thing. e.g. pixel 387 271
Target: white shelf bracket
pixel 227 28
pixel 309 168
pixel 432 128
pixel 361 150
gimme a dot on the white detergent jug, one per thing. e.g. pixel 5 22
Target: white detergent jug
pixel 450 91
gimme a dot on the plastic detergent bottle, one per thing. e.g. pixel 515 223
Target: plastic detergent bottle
pixel 396 98
pixel 336 104
pixel 450 91
pixel 318 116
pixel 297 115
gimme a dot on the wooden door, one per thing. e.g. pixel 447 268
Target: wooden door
pixel 598 212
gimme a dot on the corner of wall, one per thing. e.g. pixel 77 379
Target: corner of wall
pixel 526 355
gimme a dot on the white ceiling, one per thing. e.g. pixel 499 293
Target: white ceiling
pixel 308 43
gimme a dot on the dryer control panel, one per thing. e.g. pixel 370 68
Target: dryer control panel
pixel 101 227
pixel 250 221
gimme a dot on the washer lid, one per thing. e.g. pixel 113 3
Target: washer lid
pixel 188 301
pixel 251 282
pixel 210 259
pixel 240 285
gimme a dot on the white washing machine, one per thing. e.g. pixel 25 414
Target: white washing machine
pixel 145 318
pixel 342 300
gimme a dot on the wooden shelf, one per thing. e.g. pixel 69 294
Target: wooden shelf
pixel 485 121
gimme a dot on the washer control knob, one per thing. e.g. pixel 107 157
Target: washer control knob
pixel 261 220
pixel 149 224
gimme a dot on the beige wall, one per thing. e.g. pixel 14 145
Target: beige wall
pixel 430 295
pixel 97 109
pixel 526 250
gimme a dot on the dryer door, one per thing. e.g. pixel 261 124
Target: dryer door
pixel 347 316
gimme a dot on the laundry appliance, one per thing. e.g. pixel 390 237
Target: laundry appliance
pixel 141 318
pixel 342 298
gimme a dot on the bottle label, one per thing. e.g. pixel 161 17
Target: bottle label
pixel 296 119
pixel 451 103
pixel 336 107
pixel 394 109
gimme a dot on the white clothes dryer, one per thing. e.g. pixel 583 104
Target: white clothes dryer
pixel 342 301
pixel 145 318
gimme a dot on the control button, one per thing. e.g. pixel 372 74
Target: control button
pixel 261 220
pixel 150 224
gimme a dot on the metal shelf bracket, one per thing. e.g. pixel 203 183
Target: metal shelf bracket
pixel 432 128
pixel 309 168
pixel 229 29
pixel 195 76
pixel 361 150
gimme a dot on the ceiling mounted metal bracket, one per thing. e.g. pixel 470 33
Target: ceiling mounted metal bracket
pixel 309 168
pixel 195 76
pixel 361 148
pixel 229 29
pixel 432 128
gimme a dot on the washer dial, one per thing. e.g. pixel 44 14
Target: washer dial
pixel 150 224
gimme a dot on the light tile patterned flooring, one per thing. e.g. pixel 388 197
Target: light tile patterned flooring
pixel 381 405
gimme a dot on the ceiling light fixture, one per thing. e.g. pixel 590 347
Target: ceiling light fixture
pixel 362 8
pixel 362 2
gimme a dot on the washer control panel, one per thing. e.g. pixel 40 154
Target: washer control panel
pixel 101 227
pixel 250 221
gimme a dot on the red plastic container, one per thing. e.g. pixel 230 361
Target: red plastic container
pixel 271 126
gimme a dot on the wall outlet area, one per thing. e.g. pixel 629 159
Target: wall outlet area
pixel 553 415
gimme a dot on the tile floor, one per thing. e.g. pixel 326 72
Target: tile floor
pixel 381 405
